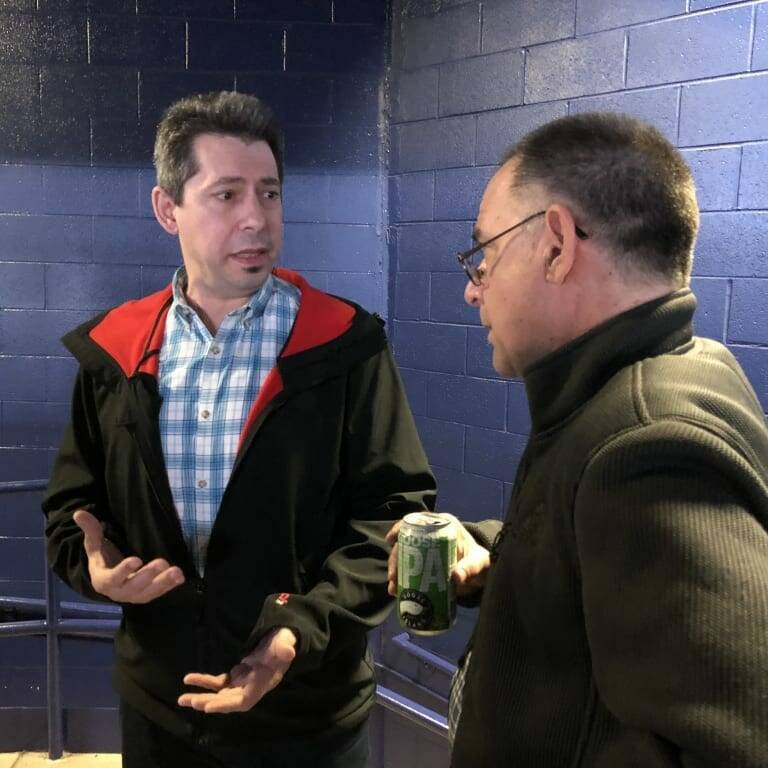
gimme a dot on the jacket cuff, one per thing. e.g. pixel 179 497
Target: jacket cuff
pixel 484 532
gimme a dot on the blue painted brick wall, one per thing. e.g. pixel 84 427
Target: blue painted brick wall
pixel 696 69
pixel 83 83
pixel 76 230
pixel 467 79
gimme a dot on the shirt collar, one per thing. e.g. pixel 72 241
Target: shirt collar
pixel 253 308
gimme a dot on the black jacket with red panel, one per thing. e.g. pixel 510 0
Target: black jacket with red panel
pixel 328 458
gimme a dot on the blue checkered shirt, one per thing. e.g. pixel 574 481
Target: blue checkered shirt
pixel 456 697
pixel 208 385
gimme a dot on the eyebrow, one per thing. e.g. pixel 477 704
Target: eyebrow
pixel 269 181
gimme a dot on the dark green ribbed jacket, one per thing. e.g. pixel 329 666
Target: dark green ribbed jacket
pixel 625 621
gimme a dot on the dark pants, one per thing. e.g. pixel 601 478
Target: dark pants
pixel 146 745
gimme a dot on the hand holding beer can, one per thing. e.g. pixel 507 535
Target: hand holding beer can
pixel 426 556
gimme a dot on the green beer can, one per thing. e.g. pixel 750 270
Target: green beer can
pixel 426 555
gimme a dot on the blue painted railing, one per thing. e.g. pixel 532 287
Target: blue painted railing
pixel 65 619
pixel 58 620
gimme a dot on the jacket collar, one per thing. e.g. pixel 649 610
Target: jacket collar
pixel 558 384
pixel 132 333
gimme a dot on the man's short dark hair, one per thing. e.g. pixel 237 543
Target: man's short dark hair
pixel 629 187
pixel 226 113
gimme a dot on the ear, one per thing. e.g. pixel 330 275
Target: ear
pixel 165 210
pixel 559 243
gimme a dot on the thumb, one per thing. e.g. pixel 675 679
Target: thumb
pixel 278 649
pixel 91 527
pixel 393 532
pixel 471 565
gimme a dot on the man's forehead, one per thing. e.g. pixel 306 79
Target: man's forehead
pixel 503 181
pixel 496 201
pixel 217 148
pixel 218 155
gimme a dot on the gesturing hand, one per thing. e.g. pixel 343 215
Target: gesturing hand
pixel 472 563
pixel 123 579
pixel 247 682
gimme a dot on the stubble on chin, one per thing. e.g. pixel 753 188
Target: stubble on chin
pixel 503 366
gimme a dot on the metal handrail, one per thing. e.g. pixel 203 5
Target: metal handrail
pixel 84 620
pixel 404 641
pixel 19 486
pixel 412 711
pixel 54 626
pixel 36 607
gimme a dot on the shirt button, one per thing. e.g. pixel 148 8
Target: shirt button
pixel 205 413
pixel 215 350
pixel 202 483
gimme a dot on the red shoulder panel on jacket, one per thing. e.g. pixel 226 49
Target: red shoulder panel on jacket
pixel 321 318
pixel 133 332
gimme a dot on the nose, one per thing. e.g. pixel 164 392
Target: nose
pixel 472 294
pixel 252 213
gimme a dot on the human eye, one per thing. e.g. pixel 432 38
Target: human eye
pixel 224 195
pixel 272 194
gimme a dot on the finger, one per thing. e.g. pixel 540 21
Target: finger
pixel 112 581
pixel 131 577
pixel 392 564
pixel 458 575
pixel 162 584
pixel 196 701
pixel 393 532
pixel 392 584
pixel 232 700
pixel 145 575
pixel 392 572
pixel 91 528
pixel 209 682
pixel 241 699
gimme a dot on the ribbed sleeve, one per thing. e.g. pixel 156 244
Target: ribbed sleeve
pixel 674 567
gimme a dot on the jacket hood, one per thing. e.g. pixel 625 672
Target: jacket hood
pixel 329 334
pixel 132 333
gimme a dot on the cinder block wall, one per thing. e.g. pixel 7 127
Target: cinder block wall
pixel 83 83
pixel 82 86
pixel 469 78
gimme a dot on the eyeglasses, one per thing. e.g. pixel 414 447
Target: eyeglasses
pixel 475 272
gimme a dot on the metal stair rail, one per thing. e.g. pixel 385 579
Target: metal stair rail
pixel 68 619
pixel 57 620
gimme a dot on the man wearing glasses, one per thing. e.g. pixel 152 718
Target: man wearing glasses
pixel 624 600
